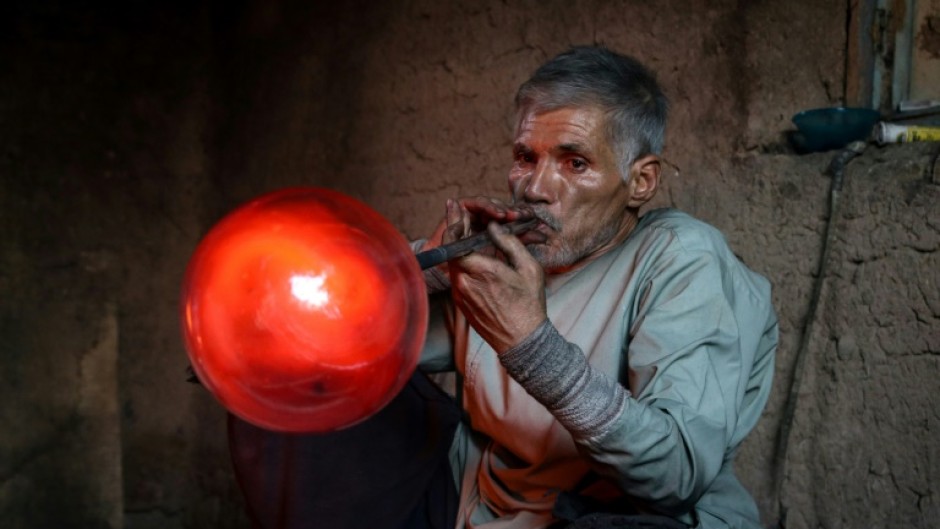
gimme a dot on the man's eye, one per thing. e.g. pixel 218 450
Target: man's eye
pixel 577 164
pixel 525 158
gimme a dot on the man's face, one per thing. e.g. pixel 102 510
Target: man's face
pixel 566 170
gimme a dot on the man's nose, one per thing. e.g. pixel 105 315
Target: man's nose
pixel 539 187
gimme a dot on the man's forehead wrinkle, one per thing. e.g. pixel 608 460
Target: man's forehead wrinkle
pixel 569 137
pixel 578 124
pixel 567 128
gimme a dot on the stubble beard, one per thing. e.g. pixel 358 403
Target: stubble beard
pixel 563 253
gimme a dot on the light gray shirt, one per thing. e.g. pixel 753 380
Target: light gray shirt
pixel 655 363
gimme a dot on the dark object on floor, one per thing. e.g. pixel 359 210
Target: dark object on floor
pixel 389 472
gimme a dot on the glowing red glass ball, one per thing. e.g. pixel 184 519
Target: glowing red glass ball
pixel 303 311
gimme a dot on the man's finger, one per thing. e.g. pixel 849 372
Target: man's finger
pixel 492 207
pixel 484 209
pixel 456 222
pixel 509 244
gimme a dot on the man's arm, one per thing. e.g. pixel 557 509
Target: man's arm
pixel 692 371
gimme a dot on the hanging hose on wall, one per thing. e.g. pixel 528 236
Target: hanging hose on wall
pixel 836 170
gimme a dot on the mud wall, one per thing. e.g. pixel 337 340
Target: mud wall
pixel 126 130
pixel 105 190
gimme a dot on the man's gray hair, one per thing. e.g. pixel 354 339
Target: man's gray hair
pixel 620 86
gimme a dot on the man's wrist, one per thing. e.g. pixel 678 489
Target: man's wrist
pixel 556 373
pixel 523 350
pixel 529 333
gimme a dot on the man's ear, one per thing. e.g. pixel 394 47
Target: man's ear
pixel 644 179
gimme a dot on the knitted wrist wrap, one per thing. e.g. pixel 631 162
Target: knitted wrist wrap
pixel 556 373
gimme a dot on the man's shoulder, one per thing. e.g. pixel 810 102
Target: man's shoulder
pixel 683 231
pixel 685 239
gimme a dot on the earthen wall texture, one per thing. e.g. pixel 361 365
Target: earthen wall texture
pixel 127 131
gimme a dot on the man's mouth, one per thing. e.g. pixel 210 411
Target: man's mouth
pixel 543 230
pixel 546 221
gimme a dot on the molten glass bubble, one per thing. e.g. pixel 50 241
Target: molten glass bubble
pixel 303 311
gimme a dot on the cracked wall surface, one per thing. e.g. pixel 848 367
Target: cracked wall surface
pixel 864 443
pixel 126 132
pixel 867 420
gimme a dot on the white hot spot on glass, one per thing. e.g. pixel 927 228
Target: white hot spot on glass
pixel 309 290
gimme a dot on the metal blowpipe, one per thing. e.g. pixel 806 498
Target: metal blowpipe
pixel 436 256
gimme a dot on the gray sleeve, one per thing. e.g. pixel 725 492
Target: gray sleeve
pixel 556 373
